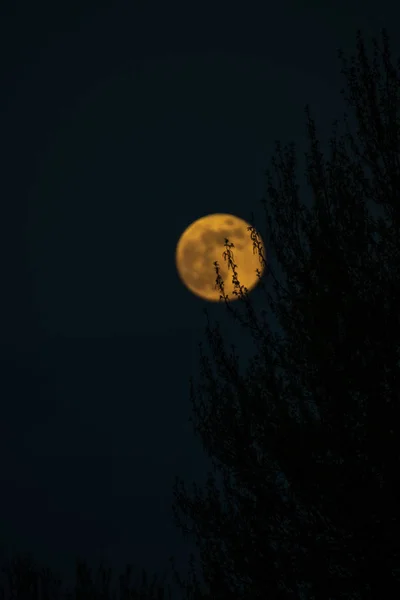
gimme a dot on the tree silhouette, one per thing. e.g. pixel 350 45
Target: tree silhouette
pixel 305 439
pixel 22 579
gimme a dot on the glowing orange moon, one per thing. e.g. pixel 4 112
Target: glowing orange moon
pixel 202 243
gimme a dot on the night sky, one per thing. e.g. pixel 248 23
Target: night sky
pixel 120 126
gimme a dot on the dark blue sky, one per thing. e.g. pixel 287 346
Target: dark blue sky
pixel 120 126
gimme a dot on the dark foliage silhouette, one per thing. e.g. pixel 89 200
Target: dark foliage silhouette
pixel 305 439
pixel 22 579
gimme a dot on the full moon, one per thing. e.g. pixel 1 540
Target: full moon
pixel 202 243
